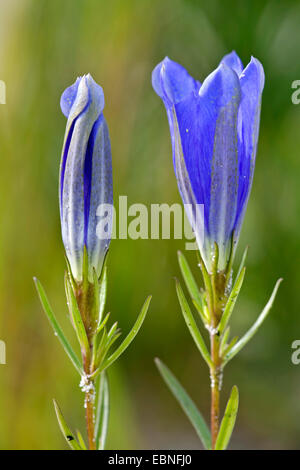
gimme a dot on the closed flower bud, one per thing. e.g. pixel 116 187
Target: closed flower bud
pixel 85 176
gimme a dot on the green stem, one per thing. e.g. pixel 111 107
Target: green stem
pixel 215 378
pixel 89 403
pixel 85 300
pixel 218 290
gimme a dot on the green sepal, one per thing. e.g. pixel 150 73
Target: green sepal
pixel 191 324
pixel 230 259
pixel 228 420
pixel 57 329
pixel 129 338
pixel 186 404
pixel 251 332
pixel 76 316
pixel 73 281
pixel 97 285
pixel 102 292
pixel 85 269
pixel 67 433
pixel 215 261
pixel 231 301
pixel 242 264
pixel 102 412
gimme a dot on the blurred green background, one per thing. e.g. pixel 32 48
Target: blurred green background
pixel 44 46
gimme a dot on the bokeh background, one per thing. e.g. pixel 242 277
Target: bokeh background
pixel 44 46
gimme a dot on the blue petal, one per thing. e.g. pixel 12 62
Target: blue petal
pixel 233 61
pixel 207 127
pixel 252 83
pixel 72 106
pixel 68 97
pixel 77 169
pixel 172 82
pixel 101 193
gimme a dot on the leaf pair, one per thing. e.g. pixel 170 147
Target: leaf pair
pixel 79 330
pixel 101 425
pixel 194 414
pixel 56 327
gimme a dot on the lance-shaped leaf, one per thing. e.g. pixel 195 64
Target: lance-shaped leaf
pixel 67 433
pixel 129 338
pixel 76 317
pixel 81 440
pixel 244 257
pixel 228 420
pixel 186 404
pixel 223 342
pixel 229 346
pixel 191 324
pixel 191 285
pixel 231 301
pixel 103 323
pixel 250 333
pixel 102 412
pixel 57 329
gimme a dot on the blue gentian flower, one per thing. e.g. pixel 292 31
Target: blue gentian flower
pixel 85 175
pixel 214 131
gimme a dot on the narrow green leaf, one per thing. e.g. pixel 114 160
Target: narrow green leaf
pixel 112 330
pixel 103 323
pixel 100 350
pixel 242 263
pixel 229 346
pixel 186 404
pixel 202 311
pixel 76 317
pixel 102 412
pixel 191 284
pixel 57 329
pixel 228 420
pixel 223 342
pixel 131 335
pixel 192 326
pixel 81 440
pixel 251 332
pixel 67 433
pixel 231 301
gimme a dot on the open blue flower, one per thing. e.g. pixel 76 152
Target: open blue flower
pixel 85 175
pixel 214 131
